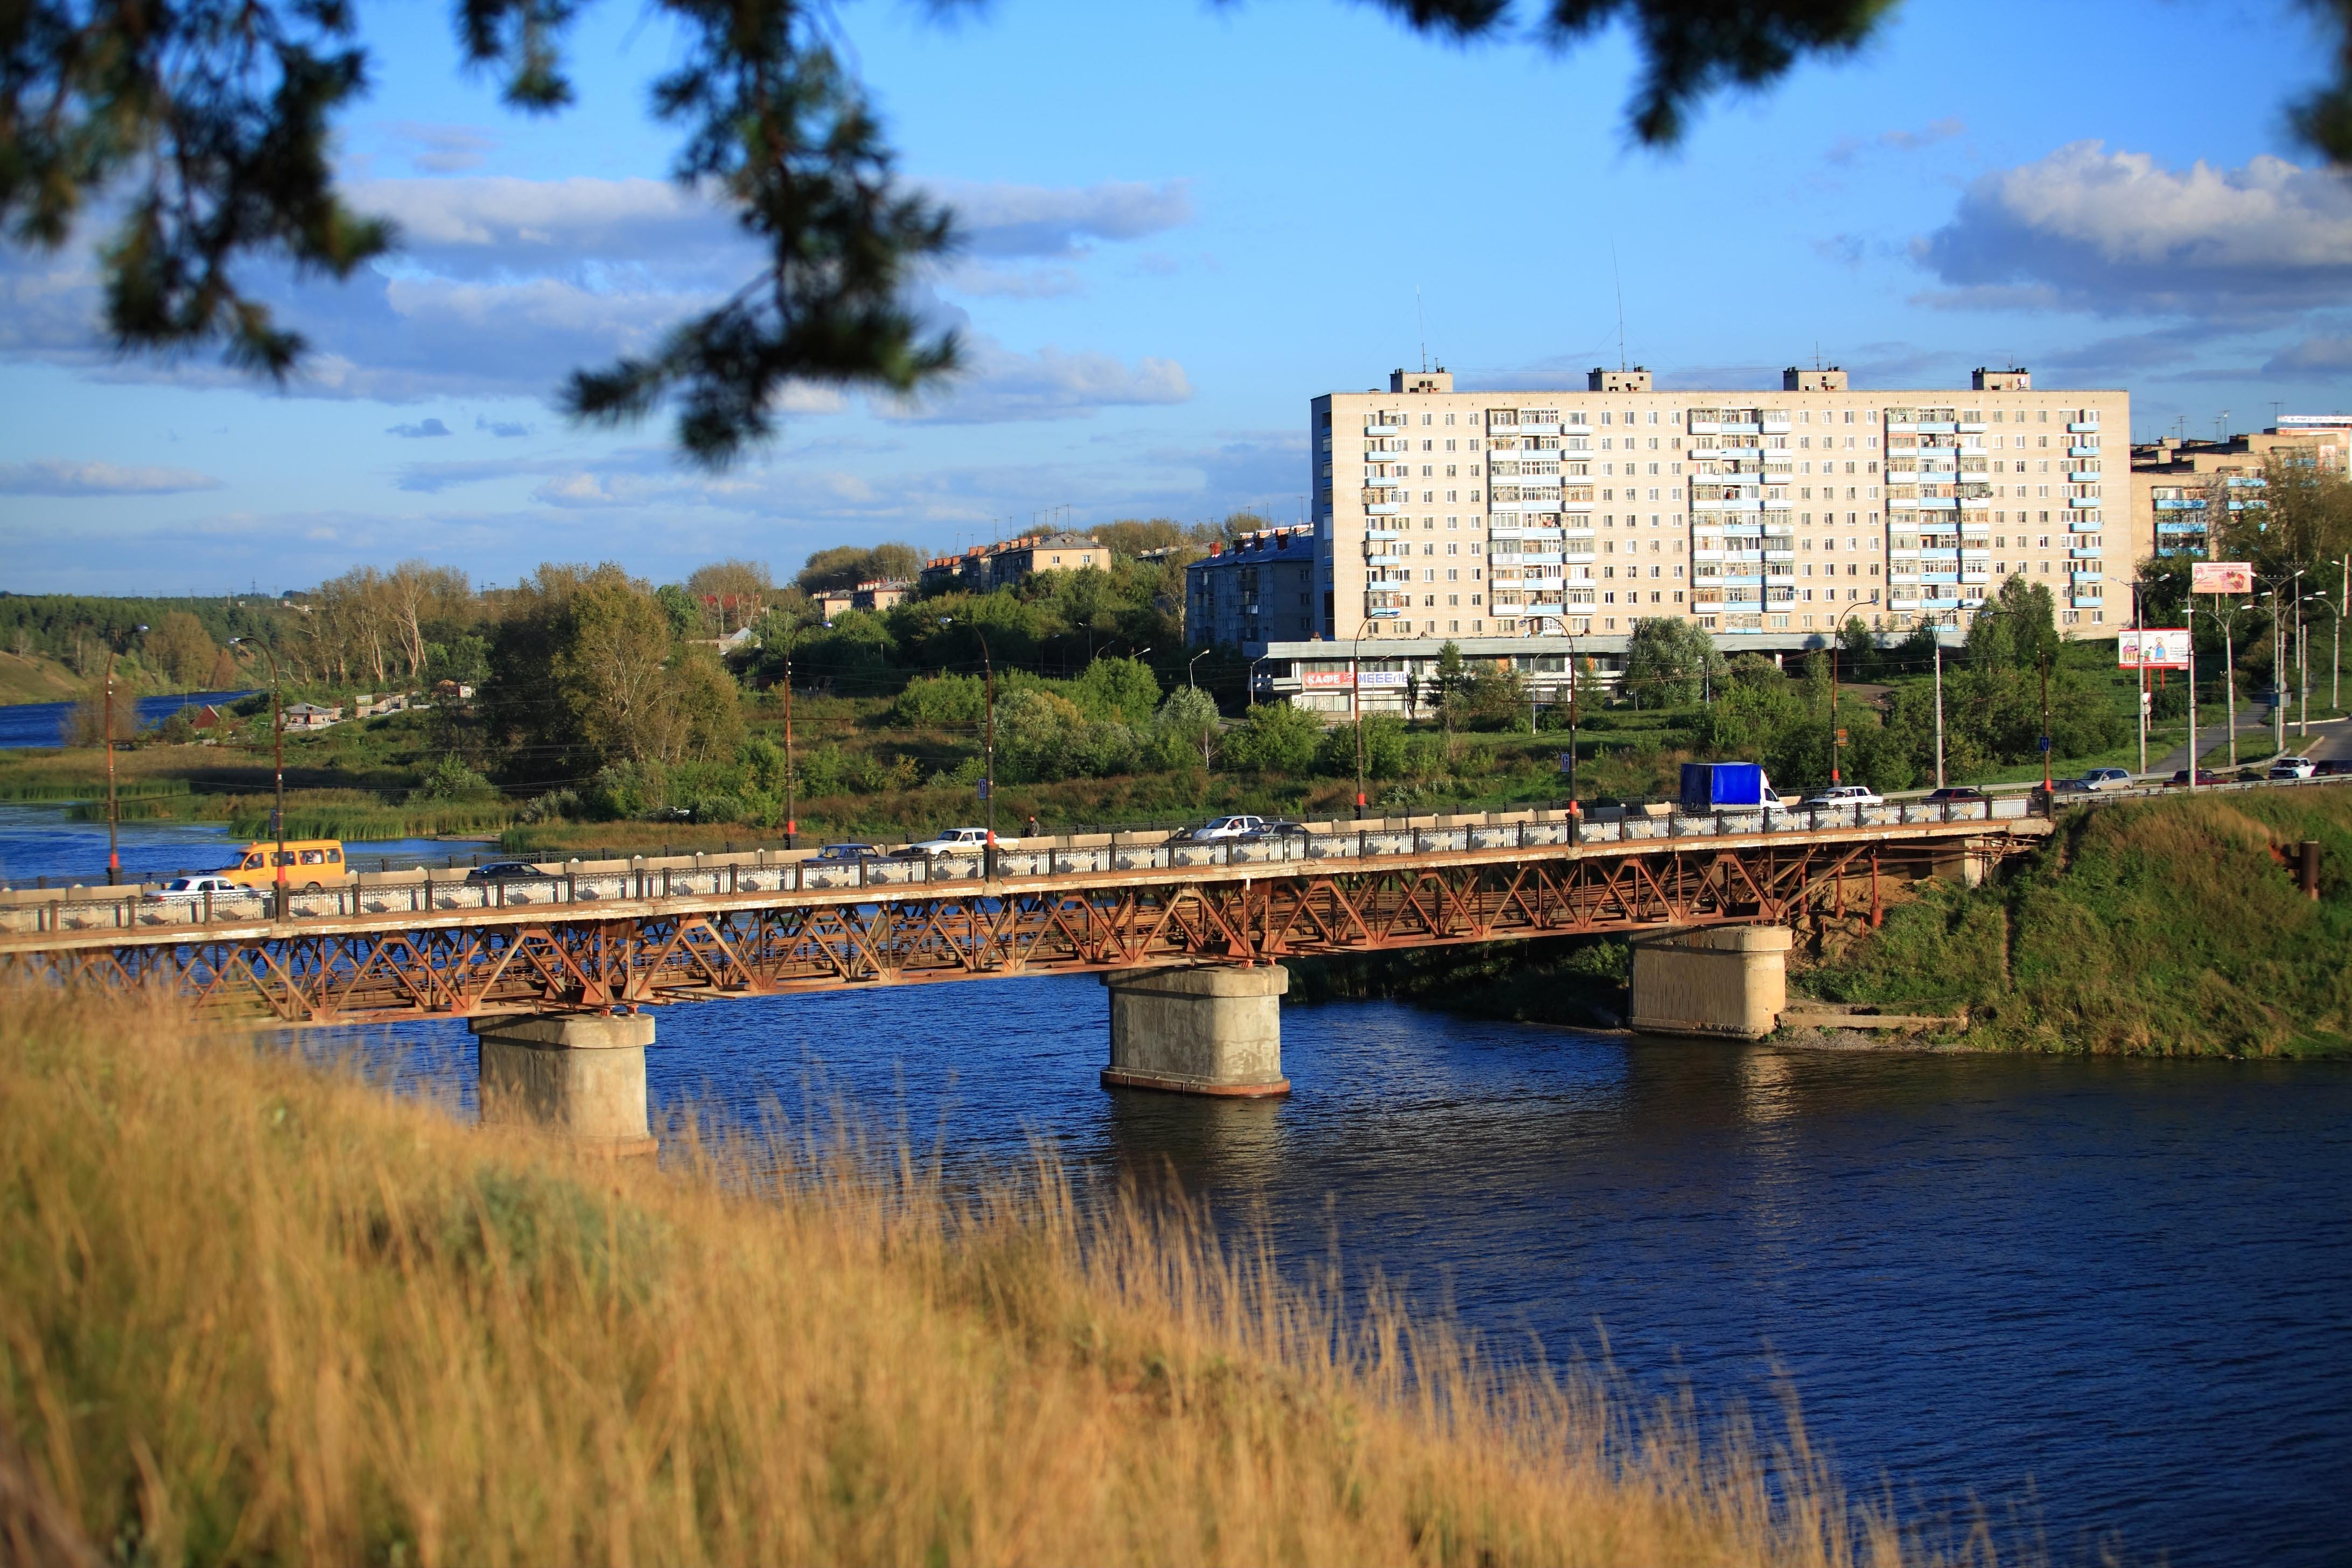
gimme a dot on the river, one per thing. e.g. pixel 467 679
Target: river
pixel 24 724
pixel 2110 1301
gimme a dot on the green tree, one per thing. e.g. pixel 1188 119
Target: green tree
pixel 179 647
pixel 847 565
pixel 1185 729
pixel 1668 661
pixel 1122 691
pixel 1275 737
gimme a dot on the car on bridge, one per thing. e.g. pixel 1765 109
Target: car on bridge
pixel 845 854
pixel 196 888
pixel 1842 795
pixel 2293 768
pixel 507 871
pixel 2204 776
pixel 1223 827
pixel 2099 778
pixel 1956 792
pixel 1279 829
pixel 2333 767
pixel 958 840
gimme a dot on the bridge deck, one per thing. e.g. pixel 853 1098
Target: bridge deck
pixel 591 940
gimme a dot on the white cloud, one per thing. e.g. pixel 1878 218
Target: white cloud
pixel 998 384
pixel 445 149
pixel 2116 234
pixel 59 477
pixel 1850 149
pixel 1063 220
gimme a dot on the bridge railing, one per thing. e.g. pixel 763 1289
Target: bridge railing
pixel 92 910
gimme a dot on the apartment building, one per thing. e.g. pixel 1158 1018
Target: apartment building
pixel 1000 566
pixel 2181 488
pixel 1526 526
pixel 1260 589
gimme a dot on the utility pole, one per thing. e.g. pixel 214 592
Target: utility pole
pixel 2139 663
pixel 988 748
pixel 113 812
pixel 2045 723
pixel 1834 776
pixel 277 744
pixel 2230 680
pixel 1356 701
pixel 792 817
pixel 1939 706
pixel 2193 695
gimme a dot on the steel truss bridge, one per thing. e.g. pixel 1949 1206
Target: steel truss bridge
pixel 593 938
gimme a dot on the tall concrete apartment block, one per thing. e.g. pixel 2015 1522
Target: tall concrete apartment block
pixel 1443 514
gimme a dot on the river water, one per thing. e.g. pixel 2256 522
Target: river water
pixel 26 724
pixel 2110 1302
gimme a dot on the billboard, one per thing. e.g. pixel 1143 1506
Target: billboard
pixel 2157 647
pixel 1339 678
pixel 2222 577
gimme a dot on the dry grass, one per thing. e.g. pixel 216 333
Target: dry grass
pixel 254 1312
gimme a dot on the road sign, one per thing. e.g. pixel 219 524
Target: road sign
pixel 2222 577
pixel 2045 744
pixel 1567 762
pixel 983 789
pixel 1840 737
pixel 2155 648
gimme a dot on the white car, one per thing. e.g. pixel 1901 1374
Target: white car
pixel 2293 768
pixel 1845 795
pixel 1226 828
pixel 958 839
pixel 2105 778
pixel 197 887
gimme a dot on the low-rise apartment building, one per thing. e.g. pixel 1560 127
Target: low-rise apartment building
pixel 986 567
pixel 1259 589
pixel 1521 523
pixel 2182 489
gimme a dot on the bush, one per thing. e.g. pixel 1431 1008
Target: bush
pixel 624 791
pixel 1384 749
pixel 450 779
pixel 1275 737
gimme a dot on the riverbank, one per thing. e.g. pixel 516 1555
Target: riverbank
pixel 347 1327
pixel 2167 927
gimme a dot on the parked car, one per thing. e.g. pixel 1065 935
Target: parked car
pixel 1844 796
pixel 2204 776
pixel 1957 792
pixel 506 872
pixel 196 888
pixel 958 840
pixel 845 854
pixel 2293 768
pixel 1224 827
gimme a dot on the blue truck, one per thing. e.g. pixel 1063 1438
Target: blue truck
pixel 1710 788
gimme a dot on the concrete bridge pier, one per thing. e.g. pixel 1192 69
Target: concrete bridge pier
pixel 1211 1030
pixel 1730 981
pixel 580 1077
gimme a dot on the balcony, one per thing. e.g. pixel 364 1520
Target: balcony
pixel 1385 559
pixel 2180 527
pixel 1938 427
pixel 2090 527
pixel 2086 554
pixel 2085 477
pixel 2084 427
pixel 1383 430
pixel 1385 508
pixel 2084 452
pixel 1380 533
pixel 1743 504
pixel 2082 503
pixel 2087 601
pixel 2180 506
pixel 2082 577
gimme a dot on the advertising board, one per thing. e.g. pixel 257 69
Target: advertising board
pixel 2222 577
pixel 2156 647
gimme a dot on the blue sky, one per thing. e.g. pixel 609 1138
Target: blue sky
pixel 1185 221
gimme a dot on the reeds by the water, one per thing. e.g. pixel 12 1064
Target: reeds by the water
pixel 254 1312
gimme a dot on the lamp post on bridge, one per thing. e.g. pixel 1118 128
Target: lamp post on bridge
pixel 278 746
pixel 106 724
pixel 988 747
pixel 1356 702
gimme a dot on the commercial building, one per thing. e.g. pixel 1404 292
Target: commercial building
pixel 2181 488
pixel 1514 523
pixel 986 567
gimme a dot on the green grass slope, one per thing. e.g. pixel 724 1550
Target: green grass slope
pixel 2165 927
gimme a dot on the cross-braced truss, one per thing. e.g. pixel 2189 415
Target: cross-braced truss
pixel 384 968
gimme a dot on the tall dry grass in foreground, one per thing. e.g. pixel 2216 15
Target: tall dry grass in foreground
pixel 250 1312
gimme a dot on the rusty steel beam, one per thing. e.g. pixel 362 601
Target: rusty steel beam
pixel 553 960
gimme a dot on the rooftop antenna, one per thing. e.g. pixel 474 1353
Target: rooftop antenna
pixel 1619 280
pixel 2221 425
pixel 2275 405
pixel 1422 317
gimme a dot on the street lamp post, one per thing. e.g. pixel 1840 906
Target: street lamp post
pixel 2139 664
pixel 1195 660
pixel 792 816
pixel 278 746
pixel 1937 626
pixel 988 748
pixel 1356 702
